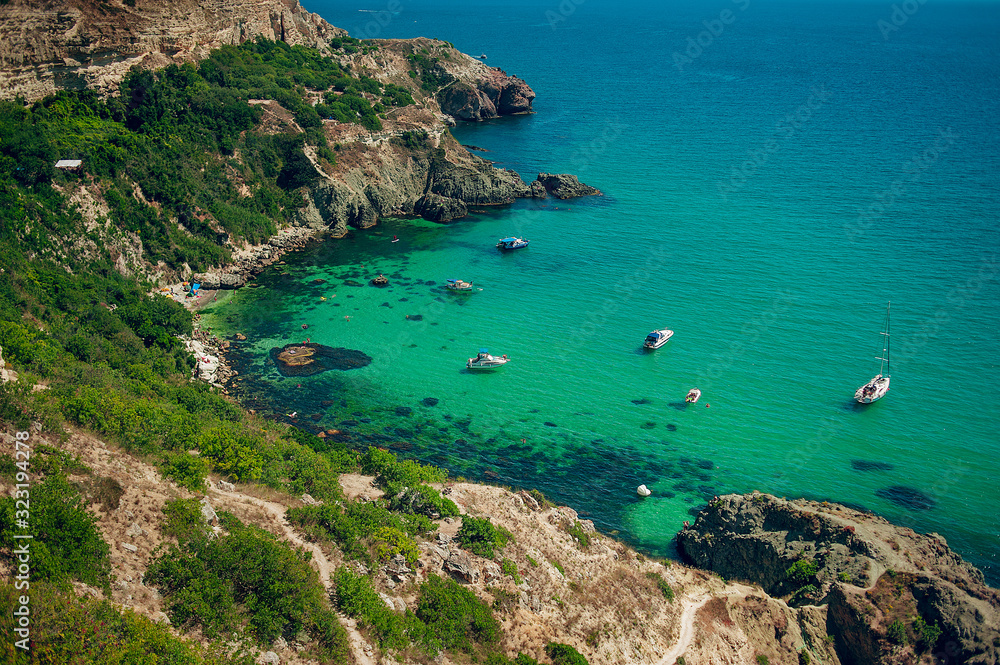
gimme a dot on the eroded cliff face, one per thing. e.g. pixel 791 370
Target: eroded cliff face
pixel 76 44
pixel 866 573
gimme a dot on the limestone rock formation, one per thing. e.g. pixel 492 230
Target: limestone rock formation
pixel 438 208
pixel 86 43
pixel 868 572
pixel 565 186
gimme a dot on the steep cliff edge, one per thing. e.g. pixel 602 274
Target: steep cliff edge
pixel 891 594
pixel 76 44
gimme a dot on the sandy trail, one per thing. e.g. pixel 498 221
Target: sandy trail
pixel 359 646
pixel 691 607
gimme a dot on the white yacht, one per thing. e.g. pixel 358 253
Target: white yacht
pixel 657 338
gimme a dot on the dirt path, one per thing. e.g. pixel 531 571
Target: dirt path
pixel 691 607
pixel 276 511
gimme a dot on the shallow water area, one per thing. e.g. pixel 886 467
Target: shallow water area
pixel 774 282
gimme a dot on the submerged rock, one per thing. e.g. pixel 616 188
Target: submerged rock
pixel 311 358
pixel 907 497
pixel 866 465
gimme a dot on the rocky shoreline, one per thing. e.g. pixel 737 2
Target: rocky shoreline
pixel 889 594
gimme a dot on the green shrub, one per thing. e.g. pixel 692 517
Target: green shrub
pixel 68 629
pixel 564 654
pixel 479 536
pixel 388 470
pixel 420 500
pixel 762 659
pixel 455 618
pixel 66 543
pixel 662 585
pixel 576 531
pixel 804 658
pixel 802 571
pixel 897 632
pixel 509 568
pixel 928 634
pixel 244 578
pixel 355 596
pixel 186 470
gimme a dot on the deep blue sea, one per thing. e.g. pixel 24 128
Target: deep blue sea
pixel 774 174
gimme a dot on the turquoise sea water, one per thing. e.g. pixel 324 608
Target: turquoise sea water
pixel 773 176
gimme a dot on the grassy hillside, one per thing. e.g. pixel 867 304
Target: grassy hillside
pixel 182 162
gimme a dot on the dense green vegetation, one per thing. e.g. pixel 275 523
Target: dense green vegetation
pixel 176 145
pixel 68 629
pixel 480 536
pixel 242 581
pixel 66 545
pixel 379 530
pixel 180 160
pixel 448 616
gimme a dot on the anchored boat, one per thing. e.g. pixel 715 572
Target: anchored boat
pixel 878 386
pixel 657 338
pixel 484 360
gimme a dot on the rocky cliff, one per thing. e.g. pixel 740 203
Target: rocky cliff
pixel 76 44
pixel 890 593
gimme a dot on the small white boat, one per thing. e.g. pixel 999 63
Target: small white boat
pixel 657 338
pixel 879 385
pixel 642 490
pixel 484 360
pixel 459 285
pixel 692 396
pixel 512 243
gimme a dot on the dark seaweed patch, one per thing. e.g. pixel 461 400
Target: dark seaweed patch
pixel 429 401
pixel 642 400
pixel 647 425
pixel 867 465
pixel 548 424
pixel 415 317
pixel 907 497
pixel 403 410
pixel 671 427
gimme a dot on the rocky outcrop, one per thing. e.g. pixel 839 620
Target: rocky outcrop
pixel 871 574
pixel 86 43
pixel 492 94
pixel 223 280
pixel 564 186
pixel 438 208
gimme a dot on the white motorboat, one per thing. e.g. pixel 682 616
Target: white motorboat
pixel 512 243
pixel 484 360
pixel 657 338
pixel 459 285
pixel 878 386
pixel 692 396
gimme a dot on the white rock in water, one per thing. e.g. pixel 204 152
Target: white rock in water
pixel 642 490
